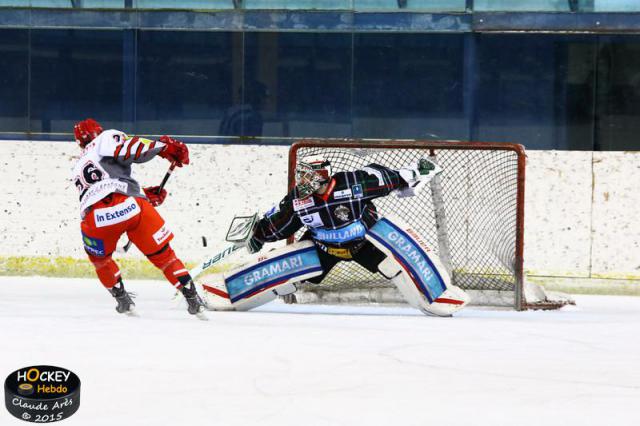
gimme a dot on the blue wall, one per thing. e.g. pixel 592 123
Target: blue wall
pixel 546 91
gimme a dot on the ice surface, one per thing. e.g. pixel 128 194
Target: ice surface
pixel 324 365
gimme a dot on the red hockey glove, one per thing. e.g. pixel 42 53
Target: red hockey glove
pixel 174 151
pixel 154 197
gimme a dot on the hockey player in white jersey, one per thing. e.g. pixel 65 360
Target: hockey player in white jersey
pixel 112 203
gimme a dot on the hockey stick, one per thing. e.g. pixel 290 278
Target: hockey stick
pixel 239 232
pixel 160 188
pixel 216 258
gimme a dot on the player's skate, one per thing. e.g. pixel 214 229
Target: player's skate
pixel 123 298
pixel 195 305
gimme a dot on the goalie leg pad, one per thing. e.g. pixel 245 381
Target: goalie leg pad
pixel 217 297
pixel 415 269
pixel 271 275
pixel 214 293
pixel 450 301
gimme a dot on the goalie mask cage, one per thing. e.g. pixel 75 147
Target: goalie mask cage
pixel 472 215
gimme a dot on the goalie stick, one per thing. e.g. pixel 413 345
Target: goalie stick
pixel 127 246
pixel 239 231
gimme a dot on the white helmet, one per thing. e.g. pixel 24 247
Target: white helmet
pixel 311 173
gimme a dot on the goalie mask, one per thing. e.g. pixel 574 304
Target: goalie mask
pixel 311 174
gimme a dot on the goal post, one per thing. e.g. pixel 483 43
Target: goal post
pixel 472 215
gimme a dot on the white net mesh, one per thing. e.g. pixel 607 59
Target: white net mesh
pixel 469 215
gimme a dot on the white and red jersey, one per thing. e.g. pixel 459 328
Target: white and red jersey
pixel 105 166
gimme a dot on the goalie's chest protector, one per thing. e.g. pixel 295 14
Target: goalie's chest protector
pixel 341 206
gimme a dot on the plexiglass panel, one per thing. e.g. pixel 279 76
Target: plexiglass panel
pixel 299 4
pixel 409 86
pixel 184 4
pixel 558 5
pixel 546 91
pixel 307 79
pixel 360 5
pixel 523 5
pixel 618 93
pixel 76 74
pixel 14 80
pixel 414 5
pixel 537 90
pixel 185 81
pixel 78 4
pixel 612 5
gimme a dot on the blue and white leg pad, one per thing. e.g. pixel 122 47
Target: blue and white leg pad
pixel 272 274
pixel 415 269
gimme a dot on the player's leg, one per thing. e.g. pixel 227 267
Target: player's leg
pixel 109 275
pixel 151 235
pixel 99 244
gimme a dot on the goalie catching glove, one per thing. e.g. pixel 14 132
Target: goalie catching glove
pixel 174 151
pixel 421 170
pixel 416 175
pixel 426 166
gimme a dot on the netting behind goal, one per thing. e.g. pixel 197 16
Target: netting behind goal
pixel 472 215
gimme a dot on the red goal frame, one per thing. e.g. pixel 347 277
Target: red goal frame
pixel 519 297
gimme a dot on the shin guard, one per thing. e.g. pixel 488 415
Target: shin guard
pixel 170 265
pixel 107 270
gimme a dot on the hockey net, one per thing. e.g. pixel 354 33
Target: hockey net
pixel 472 215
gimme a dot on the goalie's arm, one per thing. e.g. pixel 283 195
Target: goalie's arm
pixel 379 181
pixel 278 223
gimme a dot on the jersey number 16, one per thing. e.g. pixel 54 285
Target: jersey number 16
pixel 90 175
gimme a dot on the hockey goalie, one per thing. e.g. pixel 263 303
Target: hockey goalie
pixel 342 225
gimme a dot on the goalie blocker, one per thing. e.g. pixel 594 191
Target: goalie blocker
pixel 409 264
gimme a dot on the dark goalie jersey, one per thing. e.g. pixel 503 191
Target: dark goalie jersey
pixel 338 218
